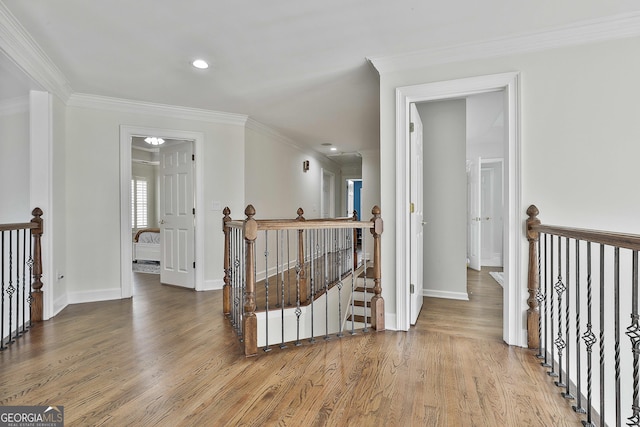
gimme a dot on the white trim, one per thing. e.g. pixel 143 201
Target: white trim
pixel 512 316
pixel 126 133
pixel 609 28
pixel 212 285
pixel 433 293
pixel 78 297
pixel 23 50
pixel 332 199
pixel 41 185
pixel 138 107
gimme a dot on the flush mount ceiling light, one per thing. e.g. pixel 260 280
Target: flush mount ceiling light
pixel 333 149
pixel 153 140
pixel 200 63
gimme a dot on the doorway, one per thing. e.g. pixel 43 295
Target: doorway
pixel 127 133
pixel 513 332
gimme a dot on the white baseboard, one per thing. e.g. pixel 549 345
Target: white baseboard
pixel 390 323
pixel 79 297
pixel 445 294
pixel 212 285
pixel 59 304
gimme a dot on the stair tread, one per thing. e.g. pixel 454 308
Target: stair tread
pixel 362 289
pixel 359 303
pixel 359 318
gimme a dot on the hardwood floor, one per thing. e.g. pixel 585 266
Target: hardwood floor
pixel 167 357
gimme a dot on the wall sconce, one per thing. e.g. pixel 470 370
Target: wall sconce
pixel 305 166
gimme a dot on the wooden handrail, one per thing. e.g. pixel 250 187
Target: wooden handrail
pixel 621 240
pixel 534 228
pixel 250 228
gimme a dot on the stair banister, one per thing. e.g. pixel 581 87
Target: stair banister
pixel 250 322
pixel 377 302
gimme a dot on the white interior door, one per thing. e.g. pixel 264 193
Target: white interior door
pixel 475 218
pixel 177 229
pixel 417 219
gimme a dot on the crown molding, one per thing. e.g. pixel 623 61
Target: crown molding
pixel 12 106
pixel 584 32
pixel 138 107
pixel 23 50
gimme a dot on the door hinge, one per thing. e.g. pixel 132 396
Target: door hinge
pixel 194 211
pixel 194 264
pixel 412 208
pixel 412 288
pixel 411 127
pixel 193 157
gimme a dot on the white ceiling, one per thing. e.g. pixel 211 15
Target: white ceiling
pixel 297 66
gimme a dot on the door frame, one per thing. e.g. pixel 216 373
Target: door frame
pixel 126 133
pixel 493 161
pixel 513 332
pixel 332 193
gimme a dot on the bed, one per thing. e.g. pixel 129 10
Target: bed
pixel 146 245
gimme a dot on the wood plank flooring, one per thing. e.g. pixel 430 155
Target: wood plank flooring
pixel 167 357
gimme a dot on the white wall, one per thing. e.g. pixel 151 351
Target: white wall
pixel 14 161
pixel 445 198
pixel 92 192
pixel 275 183
pixel 579 132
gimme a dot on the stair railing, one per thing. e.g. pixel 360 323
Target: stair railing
pixel 288 280
pixel 577 275
pixel 20 278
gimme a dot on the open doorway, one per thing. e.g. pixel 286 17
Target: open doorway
pixel 176 216
pixel 457 89
pixel 162 209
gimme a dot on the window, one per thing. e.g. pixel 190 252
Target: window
pixel 139 202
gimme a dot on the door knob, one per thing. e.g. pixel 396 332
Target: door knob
pixel 161 221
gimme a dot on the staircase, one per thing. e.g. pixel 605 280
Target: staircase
pixel 362 301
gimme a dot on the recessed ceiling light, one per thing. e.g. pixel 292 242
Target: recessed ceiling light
pixel 200 63
pixel 326 144
pixel 334 149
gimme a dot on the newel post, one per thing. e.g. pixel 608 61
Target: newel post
pixel 377 302
pixel 303 292
pixel 36 286
pixel 226 289
pixel 533 280
pixel 250 322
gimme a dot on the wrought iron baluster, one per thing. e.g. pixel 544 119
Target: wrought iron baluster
pixel 312 260
pixel 24 280
pixel 364 262
pixel 10 289
pixel 567 393
pixel 2 273
pixel 353 287
pixel 545 300
pixel 633 332
pixel 339 262
pixel 325 242
pixel 602 363
pixel 616 299
pixel 539 298
pixel 560 288
pixel 551 373
pixel 266 290
pixel 589 340
pixel 578 406
pixel 282 271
